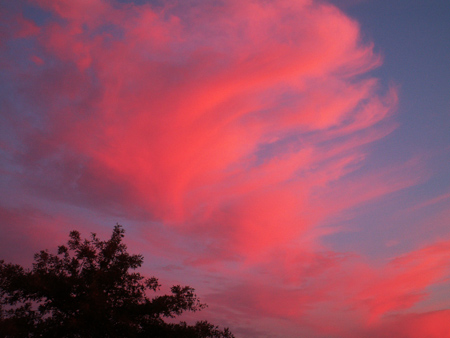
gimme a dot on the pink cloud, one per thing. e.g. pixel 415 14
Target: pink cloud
pixel 405 279
pixel 415 325
pixel 179 118
pixel 235 134
pixel 22 233
pixel 337 295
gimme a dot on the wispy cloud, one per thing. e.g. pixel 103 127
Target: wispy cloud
pixel 238 127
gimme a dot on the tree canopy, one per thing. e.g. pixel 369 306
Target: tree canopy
pixel 90 289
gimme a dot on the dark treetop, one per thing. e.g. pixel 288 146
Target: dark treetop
pixel 90 289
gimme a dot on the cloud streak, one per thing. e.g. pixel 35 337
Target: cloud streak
pixel 238 128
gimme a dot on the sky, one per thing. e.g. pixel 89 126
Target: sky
pixel 288 159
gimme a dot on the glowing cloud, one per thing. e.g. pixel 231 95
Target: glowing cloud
pixel 237 127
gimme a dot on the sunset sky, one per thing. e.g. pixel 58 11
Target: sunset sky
pixel 289 159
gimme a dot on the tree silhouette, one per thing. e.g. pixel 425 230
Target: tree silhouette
pixel 90 289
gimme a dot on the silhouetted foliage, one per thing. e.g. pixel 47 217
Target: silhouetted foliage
pixel 90 289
